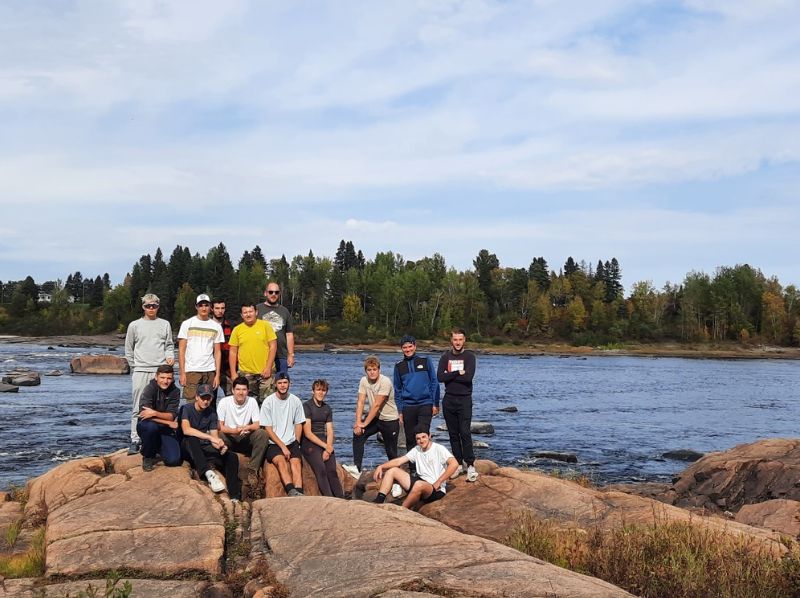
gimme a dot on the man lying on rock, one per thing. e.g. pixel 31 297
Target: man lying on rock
pixel 158 410
pixel 202 445
pixel 434 466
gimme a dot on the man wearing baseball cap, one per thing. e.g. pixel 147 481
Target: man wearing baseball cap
pixel 200 341
pixel 202 445
pixel 148 344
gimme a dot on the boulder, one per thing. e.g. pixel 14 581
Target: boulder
pixel 555 456
pixel 746 474
pixel 63 484
pixel 8 387
pixel 161 523
pixel 54 373
pixel 99 364
pixel 509 409
pixel 780 515
pixel 475 428
pixel 480 444
pixel 23 378
pixel 326 556
pixel 142 588
pixel 274 487
pixel 683 455
pixel 490 507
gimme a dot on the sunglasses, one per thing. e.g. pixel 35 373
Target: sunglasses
pixel 151 306
pixel 273 292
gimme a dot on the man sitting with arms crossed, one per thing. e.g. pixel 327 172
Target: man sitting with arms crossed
pixel 202 444
pixel 240 428
pixel 283 417
pixel 158 409
pixel 434 466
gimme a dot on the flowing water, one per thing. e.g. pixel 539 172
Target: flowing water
pixel 617 414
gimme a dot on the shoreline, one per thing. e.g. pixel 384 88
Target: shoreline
pixel 670 349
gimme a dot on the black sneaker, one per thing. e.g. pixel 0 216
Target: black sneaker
pixel 148 464
pixel 133 449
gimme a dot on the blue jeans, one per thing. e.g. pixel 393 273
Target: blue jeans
pixel 158 438
pixel 281 365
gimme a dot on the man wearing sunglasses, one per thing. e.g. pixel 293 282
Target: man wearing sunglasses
pixel 148 344
pixel 200 349
pixel 281 321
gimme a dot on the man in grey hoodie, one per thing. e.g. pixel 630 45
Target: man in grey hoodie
pixel 148 344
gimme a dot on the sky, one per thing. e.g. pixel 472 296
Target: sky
pixel 665 134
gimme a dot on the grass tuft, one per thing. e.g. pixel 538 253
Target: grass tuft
pixel 29 564
pixel 664 560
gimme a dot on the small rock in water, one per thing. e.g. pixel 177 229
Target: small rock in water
pixel 73 422
pixel 112 349
pixel 23 378
pixel 683 455
pixel 556 456
pixel 475 428
pixel 54 373
pixel 51 348
pixel 509 409
pixel 480 444
pixel 8 387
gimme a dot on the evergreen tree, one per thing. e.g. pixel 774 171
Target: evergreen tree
pixel 485 263
pixel 539 272
pixel 570 267
pixel 219 273
pixel 258 258
pixel 96 297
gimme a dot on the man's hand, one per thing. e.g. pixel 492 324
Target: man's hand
pixel 182 378
pixel 173 424
pixel 378 474
pixel 147 413
pixel 290 360
pixel 170 361
pixel 217 443
pixel 287 455
pixel 461 372
pixel 215 383
pixel 437 484
pixel 266 372
pixel 358 429
pixel 401 419
pixel 435 411
pixel 326 455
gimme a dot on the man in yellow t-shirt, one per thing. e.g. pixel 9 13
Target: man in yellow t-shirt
pixel 253 345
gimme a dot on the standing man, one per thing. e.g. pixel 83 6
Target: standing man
pixel 240 428
pixel 252 346
pixel 281 321
pixel 199 349
pixel 218 314
pixel 148 344
pixel 456 370
pixel 157 420
pixel 433 464
pixel 376 393
pixel 283 417
pixel 416 389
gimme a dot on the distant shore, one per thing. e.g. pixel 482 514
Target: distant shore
pixel 666 349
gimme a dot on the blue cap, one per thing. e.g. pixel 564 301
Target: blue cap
pixel 408 339
pixel 204 390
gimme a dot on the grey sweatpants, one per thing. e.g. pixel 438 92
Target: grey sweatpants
pixel 138 382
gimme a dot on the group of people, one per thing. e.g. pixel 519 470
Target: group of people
pixel 235 385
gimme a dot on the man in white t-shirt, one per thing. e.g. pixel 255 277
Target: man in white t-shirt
pixel 282 416
pixel 434 466
pixel 240 429
pixel 376 412
pixel 200 341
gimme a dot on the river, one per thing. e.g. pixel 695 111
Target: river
pixel 618 414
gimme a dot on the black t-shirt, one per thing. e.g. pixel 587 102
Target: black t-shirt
pixel 202 421
pixel 319 416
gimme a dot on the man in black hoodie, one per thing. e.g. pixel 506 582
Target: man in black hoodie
pixel 456 370
pixel 158 410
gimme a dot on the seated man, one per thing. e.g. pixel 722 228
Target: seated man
pixel 240 428
pixel 158 410
pixel 202 445
pixel 434 466
pixel 282 416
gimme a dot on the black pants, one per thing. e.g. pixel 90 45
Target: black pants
pixel 413 416
pixel 324 471
pixel 203 454
pixel 388 429
pixel 457 411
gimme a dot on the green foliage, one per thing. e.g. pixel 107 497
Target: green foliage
pixel 29 564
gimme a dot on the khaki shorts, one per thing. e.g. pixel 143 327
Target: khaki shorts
pixel 193 380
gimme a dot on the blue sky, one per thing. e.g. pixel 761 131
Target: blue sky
pixel 666 134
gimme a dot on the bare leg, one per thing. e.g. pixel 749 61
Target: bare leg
pixel 283 469
pixel 297 473
pixel 421 490
pixel 395 475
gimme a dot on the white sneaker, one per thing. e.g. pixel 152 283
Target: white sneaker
pixel 352 470
pixel 214 481
pixel 472 475
pixel 458 472
pixel 397 491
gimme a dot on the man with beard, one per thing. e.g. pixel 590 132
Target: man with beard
pixel 281 321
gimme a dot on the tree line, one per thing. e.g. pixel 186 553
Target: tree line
pixel 350 298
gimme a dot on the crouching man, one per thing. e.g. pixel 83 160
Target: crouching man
pixel 283 417
pixel 202 445
pixel 434 466
pixel 158 410
pixel 240 428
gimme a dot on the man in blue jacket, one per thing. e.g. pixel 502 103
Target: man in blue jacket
pixel 416 389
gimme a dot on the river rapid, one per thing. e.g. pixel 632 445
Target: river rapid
pixel 617 414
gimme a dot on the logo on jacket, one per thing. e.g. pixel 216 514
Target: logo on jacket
pixel 420 367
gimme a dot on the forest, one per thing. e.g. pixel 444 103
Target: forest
pixel 350 298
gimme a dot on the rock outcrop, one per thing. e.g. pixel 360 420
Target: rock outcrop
pixel 746 474
pixel 99 364
pixel 356 549
pixel 490 507
pixel 780 515
pixel 22 378
pixel 8 387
